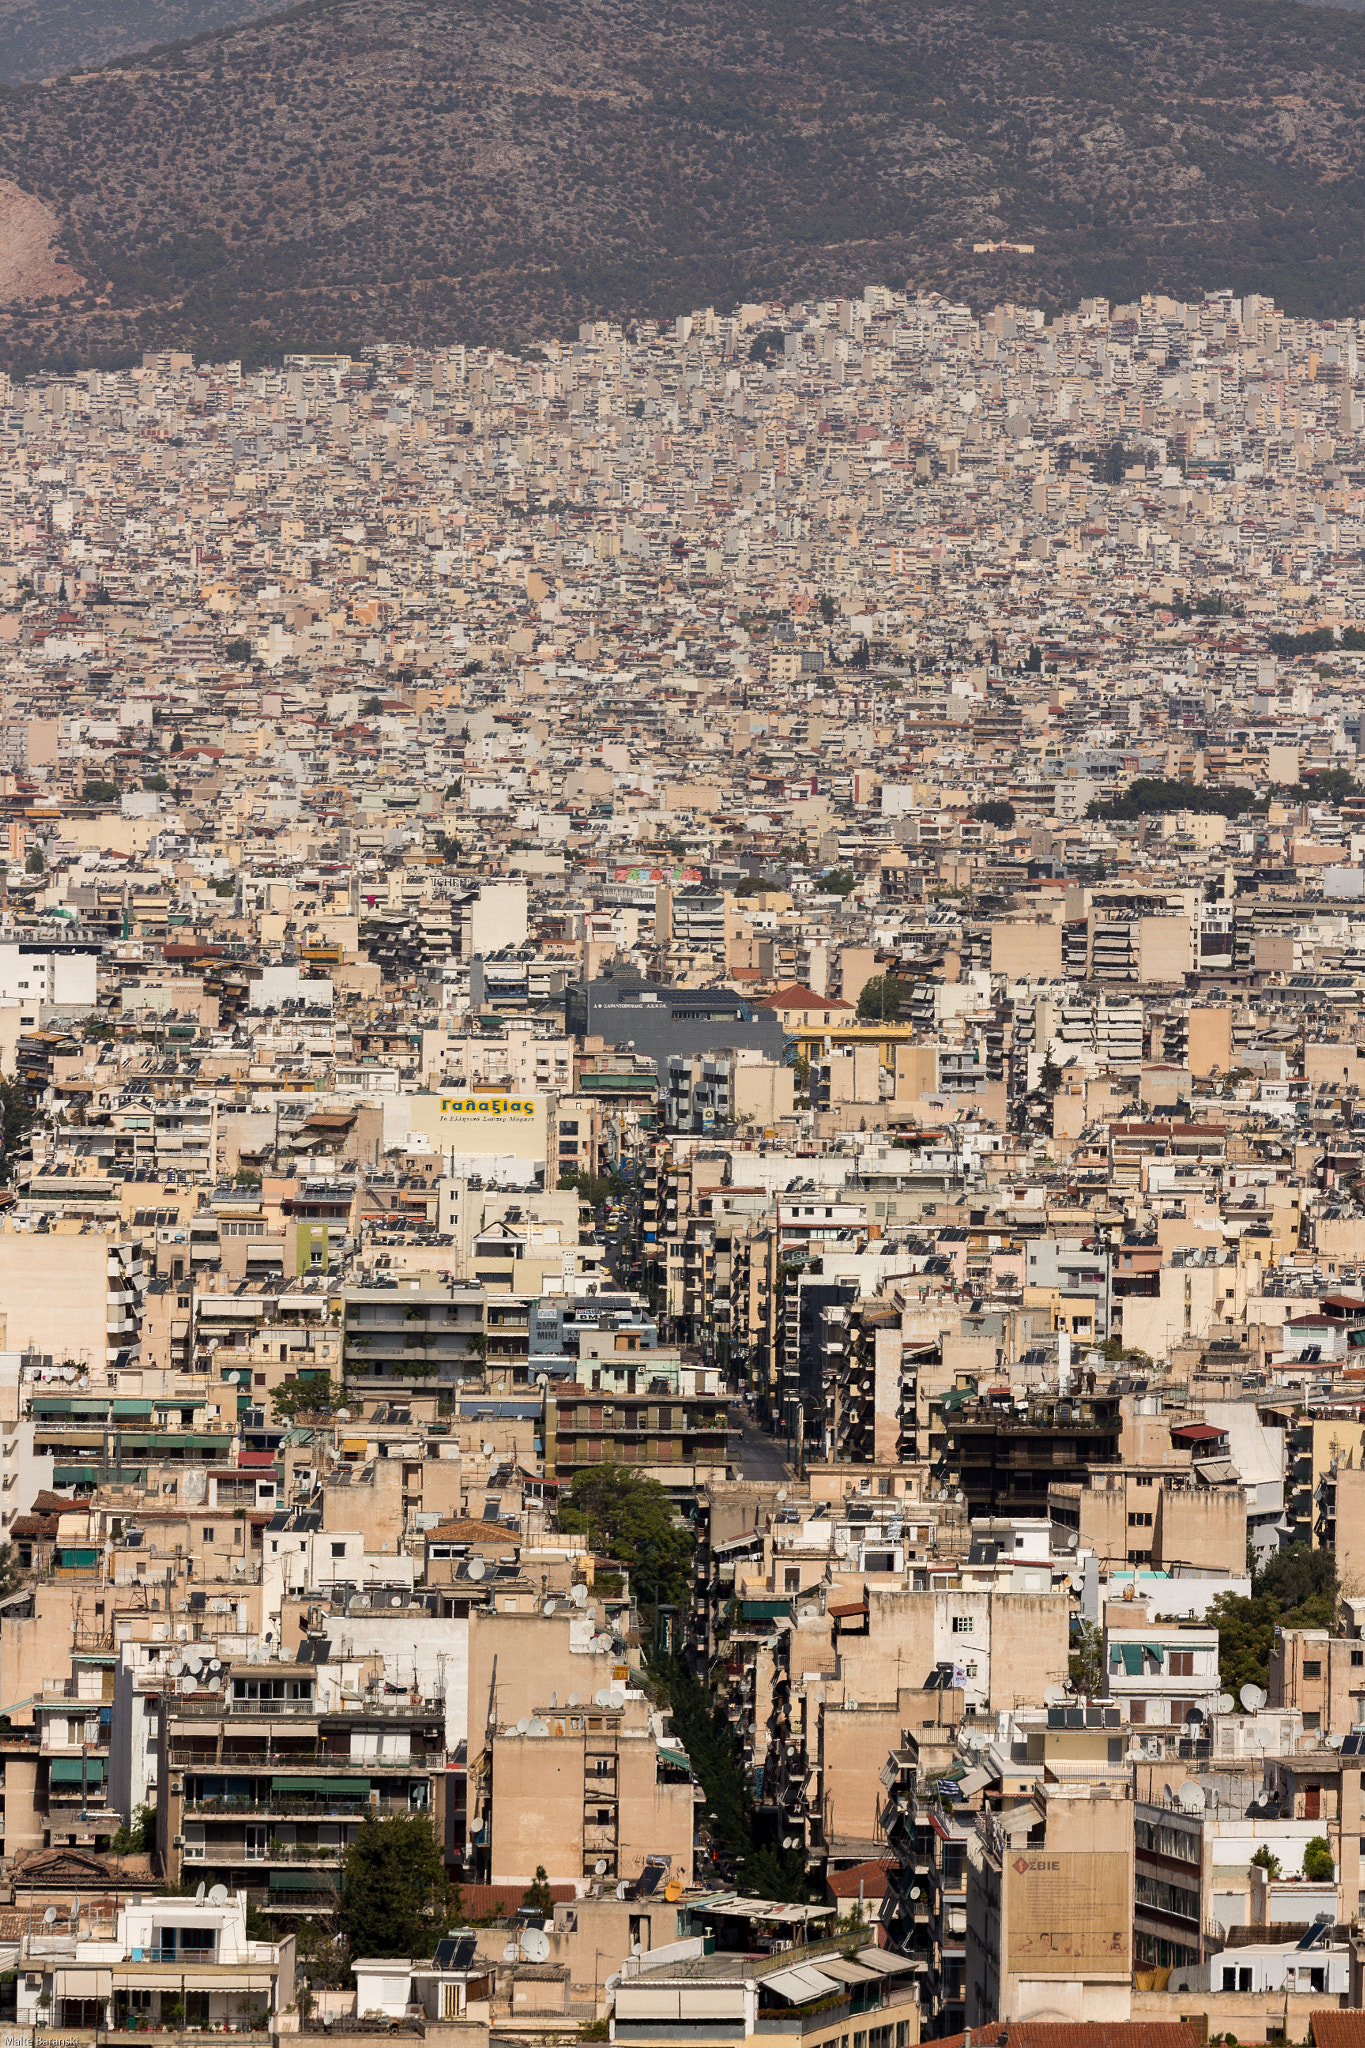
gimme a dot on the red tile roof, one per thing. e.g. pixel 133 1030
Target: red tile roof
pixel 1329 2029
pixel 1097 2034
pixel 866 1880
pixel 795 997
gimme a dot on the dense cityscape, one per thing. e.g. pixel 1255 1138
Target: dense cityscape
pixel 682 1248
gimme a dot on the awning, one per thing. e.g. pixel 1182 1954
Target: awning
pixel 885 1962
pixel 303 1880
pixel 845 1971
pixel 329 1788
pixel 66 1770
pixel 92 1982
pixel 799 1986
pixel 675 1758
pixel 357 1444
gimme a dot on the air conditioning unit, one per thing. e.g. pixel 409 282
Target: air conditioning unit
pixel 177 1841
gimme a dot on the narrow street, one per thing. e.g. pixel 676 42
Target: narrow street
pixel 762 1455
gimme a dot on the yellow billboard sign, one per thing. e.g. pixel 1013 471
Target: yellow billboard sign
pixel 482 1120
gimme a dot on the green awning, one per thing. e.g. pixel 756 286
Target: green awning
pixel 303 1880
pixel 674 1758
pixel 1131 1654
pixel 66 1770
pixel 71 1475
pixel 764 1610
pixel 1156 1653
pixel 330 1788
pixel 78 1560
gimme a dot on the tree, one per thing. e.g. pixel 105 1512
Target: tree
pixel 537 1894
pixel 178 743
pixel 1297 1588
pixel 238 651
pixel 998 812
pixel 372 707
pixel 879 1000
pixel 826 607
pixel 156 783
pixel 395 1897
pixel 1318 1863
pixel 770 342
pixel 1266 1859
pixel 139 1837
pixel 630 1518
pixel 1050 1075
pixel 16 1114
pixel 838 882
pixel 97 791
pixel 307 1397
pixel 1085 1667
pixel 35 864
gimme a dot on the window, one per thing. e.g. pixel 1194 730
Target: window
pixel 1139 1521
pixel 1312 1795
pixel 963 1624
pixel 791 1579
pixel 1357 1659
pixel 1312 1667
pixel 208 1535
pixel 1181 1663
pixel 1312 1720
pixel 338 1550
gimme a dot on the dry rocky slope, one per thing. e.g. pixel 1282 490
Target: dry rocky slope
pixel 499 169
pixel 43 40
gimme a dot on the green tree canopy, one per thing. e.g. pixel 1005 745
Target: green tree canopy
pixel 997 811
pixel 395 1897
pixel 307 1397
pixel 631 1518
pixel 1318 1864
pixel 879 1000
pixel 1297 1588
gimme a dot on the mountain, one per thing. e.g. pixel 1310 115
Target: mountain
pixel 66 35
pixel 499 169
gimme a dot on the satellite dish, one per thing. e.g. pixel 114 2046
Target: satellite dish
pixel 199 1895
pixel 672 1891
pixel 599 1868
pixel 175 1667
pixel 915 1892
pixel 522 1726
pixel 343 1415
pixel 622 1889
pixel 1167 1794
pixel 488 1450
pixel 397 1600
pixel 1053 1695
pixel 602 1696
pixel 1194 1717
pixel 219 1895
pixel 1253 1698
pixel 549 1606
pixel 50 1917
pixel 535 1726
pixel 573 1699
pixel 535 1944
pixel 476 1568
pixel 579 1595
pixel 1192 1798
pixel 511 1953
pixel 1225 1703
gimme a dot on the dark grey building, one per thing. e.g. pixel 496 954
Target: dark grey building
pixel 661 1021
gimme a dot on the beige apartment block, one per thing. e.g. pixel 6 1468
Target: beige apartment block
pixel 1026 951
pixel 71 1296
pixel 596 1788
pixel 1050 1920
